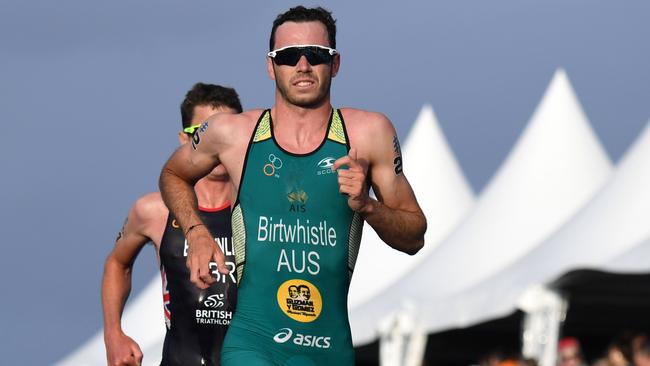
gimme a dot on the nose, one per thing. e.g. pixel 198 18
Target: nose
pixel 303 64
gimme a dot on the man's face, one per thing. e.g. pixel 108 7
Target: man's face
pixel 303 85
pixel 641 359
pixel 569 356
pixel 304 291
pixel 293 292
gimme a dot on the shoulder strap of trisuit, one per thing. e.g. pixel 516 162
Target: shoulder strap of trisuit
pixel 263 128
pixel 337 132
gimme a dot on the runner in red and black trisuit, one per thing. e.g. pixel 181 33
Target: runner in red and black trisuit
pixel 196 319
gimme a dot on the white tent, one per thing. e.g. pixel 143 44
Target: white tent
pixel 610 233
pixel 442 192
pixel 635 259
pixel 143 321
pixel 553 170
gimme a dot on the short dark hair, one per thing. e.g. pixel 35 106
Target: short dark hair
pixel 208 94
pixel 301 14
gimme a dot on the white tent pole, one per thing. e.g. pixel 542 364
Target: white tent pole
pixel 545 311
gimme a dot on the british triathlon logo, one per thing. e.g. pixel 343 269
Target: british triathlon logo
pixel 214 316
pixel 214 301
pixel 325 166
pixel 273 166
pixel 300 300
pixel 285 334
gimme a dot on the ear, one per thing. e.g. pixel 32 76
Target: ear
pixel 269 68
pixel 183 138
pixel 336 63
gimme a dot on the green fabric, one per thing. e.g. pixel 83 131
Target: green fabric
pixel 296 241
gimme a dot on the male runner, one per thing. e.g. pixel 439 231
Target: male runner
pixel 301 171
pixel 196 319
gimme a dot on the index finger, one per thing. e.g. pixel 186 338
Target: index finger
pixel 220 259
pixel 350 160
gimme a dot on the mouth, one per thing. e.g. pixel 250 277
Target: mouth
pixel 304 83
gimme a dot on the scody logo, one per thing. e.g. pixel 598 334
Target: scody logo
pixel 325 166
pixel 285 335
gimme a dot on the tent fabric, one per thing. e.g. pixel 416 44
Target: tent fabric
pixel 143 321
pixel 427 158
pixel 555 168
pixel 611 232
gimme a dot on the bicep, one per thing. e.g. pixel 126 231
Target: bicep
pixel 190 164
pixel 392 189
pixel 386 170
pixel 194 160
pixel 130 240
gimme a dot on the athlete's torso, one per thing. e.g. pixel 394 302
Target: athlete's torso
pixel 296 241
pixel 196 319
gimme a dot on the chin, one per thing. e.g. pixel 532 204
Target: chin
pixel 306 101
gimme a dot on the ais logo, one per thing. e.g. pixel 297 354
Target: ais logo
pixel 285 334
pixel 297 199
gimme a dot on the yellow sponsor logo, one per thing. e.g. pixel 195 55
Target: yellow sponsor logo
pixel 175 224
pixel 300 300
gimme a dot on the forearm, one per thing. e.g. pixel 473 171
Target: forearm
pixel 180 198
pixel 402 230
pixel 116 286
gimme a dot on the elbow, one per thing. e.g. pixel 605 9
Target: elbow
pixel 415 247
pixel 418 242
pixel 165 173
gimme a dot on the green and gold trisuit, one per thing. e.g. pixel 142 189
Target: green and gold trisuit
pixel 296 242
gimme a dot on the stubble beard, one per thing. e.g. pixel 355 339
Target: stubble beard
pixel 305 101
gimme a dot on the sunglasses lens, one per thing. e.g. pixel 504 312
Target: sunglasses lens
pixel 317 56
pixel 290 56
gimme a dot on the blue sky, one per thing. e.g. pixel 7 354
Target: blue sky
pixel 89 94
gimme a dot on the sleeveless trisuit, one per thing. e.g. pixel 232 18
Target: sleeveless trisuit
pixel 196 319
pixel 296 242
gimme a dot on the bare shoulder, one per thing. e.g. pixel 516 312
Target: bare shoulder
pixel 227 127
pixel 366 128
pixel 149 208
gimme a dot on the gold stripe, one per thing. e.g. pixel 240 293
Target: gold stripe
pixel 263 131
pixel 336 129
pixel 239 240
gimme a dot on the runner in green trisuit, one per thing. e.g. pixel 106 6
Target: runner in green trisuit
pixel 301 172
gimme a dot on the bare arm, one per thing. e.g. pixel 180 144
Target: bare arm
pixel 396 215
pixel 184 168
pixel 116 286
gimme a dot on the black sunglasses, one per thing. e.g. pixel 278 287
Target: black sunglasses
pixel 290 55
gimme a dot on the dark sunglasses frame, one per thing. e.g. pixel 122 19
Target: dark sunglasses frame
pixel 315 54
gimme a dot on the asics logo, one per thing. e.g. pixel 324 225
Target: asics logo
pixel 285 334
pixel 326 162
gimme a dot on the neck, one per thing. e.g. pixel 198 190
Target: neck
pixel 300 129
pixel 212 193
